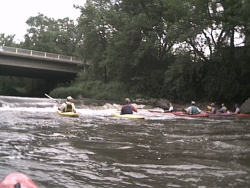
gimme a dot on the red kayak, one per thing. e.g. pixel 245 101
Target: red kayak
pixel 220 114
pixel 168 112
pixel 190 115
pixel 17 180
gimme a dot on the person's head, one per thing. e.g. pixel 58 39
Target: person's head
pixel 69 98
pixel 222 104
pixel 193 103
pixel 170 104
pixel 212 104
pixel 127 100
pixel 236 105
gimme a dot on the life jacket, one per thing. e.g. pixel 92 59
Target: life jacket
pixel 127 109
pixel 194 110
pixel 223 109
pixel 69 107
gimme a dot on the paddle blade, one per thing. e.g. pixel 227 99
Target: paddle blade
pixel 209 107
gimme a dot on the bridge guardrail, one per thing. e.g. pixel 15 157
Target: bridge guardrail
pixel 21 51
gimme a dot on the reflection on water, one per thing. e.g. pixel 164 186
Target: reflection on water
pixel 98 150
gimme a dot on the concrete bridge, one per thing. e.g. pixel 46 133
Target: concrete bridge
pixel 35 64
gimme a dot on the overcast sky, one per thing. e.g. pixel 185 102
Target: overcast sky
pixel 15 13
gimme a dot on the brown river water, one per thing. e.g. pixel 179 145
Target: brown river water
pixel 99 150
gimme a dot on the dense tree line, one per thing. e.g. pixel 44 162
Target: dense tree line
pixel 175 49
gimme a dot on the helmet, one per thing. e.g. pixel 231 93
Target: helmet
pixel 69 98
pixel 127 100
pixel 192 102
pixel 212 104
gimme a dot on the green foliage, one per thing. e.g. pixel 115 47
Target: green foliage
pixel 94 89
pixel 49 35
pixel 182 79
pixel 62 92
pixel 21 86
pixel 226 78
pixel 6 40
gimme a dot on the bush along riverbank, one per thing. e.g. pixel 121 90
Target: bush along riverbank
pixel 97 93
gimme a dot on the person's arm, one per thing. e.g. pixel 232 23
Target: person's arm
pixel 73 107
pixel 62 107
pixel 199 110
pixel 237 111
pixel 134 109
pixel 188 109
pixel 122 109
pixel 59 105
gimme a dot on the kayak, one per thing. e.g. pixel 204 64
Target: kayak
pixel 156 111
pixel 160 111
pixel 190 115
pixel 220 114
pixel 130 116
pixel 69 114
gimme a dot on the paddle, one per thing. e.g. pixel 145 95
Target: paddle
pixel 52 98
pixel 209 107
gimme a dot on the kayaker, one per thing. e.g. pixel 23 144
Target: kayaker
pixel 128 108
pixel 193 109
pixel 237 109
pixel 223 108
pixel 171 107
pixel 213 109
pixel 68 106
pixel 17 180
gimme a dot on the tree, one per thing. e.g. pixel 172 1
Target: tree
pixel 49 35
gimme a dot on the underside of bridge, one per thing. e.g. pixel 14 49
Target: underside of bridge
pixel 49 75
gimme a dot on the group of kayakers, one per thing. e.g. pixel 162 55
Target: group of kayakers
pixel 223 109
pixel 69 106
pixel 128 108
pixel 193 109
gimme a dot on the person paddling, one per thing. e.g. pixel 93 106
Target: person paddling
pixel 171 108
pixel 128 108
pixel 193 109
pixel 223 108
pixel 68 106
pixel 213 109
pixel 237 109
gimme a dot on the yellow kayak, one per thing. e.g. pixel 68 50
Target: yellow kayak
pixel 69 114
pixel 130 116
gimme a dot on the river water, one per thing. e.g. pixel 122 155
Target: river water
pixel 98 150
